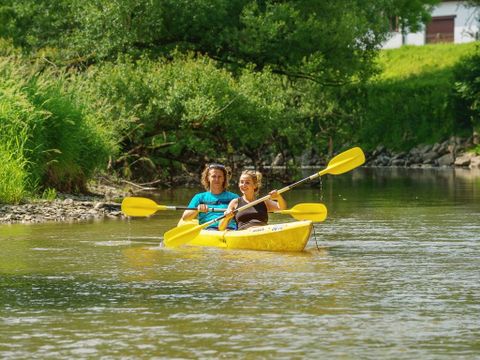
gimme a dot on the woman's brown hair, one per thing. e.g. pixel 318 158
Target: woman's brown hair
pixel 226 175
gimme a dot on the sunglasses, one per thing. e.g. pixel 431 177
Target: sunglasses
pixel 216 166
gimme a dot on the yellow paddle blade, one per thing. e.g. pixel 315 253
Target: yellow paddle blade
pixel 307 211
pixel 138 206
pixel 346 161
pixel 182 234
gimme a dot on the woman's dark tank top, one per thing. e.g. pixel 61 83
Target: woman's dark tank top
pixel 256 215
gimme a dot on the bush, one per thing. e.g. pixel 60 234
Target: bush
pixel 410 102
pixel 467 91
pixel 184 111
pixel 401 114
pixel 45 134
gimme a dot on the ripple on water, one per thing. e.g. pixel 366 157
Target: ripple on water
pixel 113 243
pixel 386 281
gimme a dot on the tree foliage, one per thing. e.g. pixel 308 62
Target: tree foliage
pixel 189 111
pixel 327 41
pixel 467 86
pixel 185 81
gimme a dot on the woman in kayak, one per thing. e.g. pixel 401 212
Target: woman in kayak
pixel 214 179
pixel 257 215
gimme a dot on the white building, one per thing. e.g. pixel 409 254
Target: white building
pixel 452 21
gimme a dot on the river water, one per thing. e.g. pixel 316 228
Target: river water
pixel 394 272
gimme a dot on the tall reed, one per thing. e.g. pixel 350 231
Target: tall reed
pixel 48 140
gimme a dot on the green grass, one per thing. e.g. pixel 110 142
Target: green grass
pixel 14 178
pixel 409 61
pixel 411 101
pixel 47 139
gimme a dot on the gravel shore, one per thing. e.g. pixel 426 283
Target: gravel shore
pixel 98 205
pixel 67 210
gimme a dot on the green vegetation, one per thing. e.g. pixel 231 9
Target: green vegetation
pixel 412 100
pixel 152 89
pixel 13 173
pixel 46 140
pixel 467 92
pixel 410 61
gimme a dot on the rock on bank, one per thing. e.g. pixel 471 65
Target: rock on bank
pixel 68 210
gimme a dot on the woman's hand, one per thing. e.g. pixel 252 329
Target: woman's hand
pixel 277 203
pixel 228 214
pixel 224 222
pixel 274 195
pixel 202 208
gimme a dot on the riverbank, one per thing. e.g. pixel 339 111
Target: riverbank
pixel 102 202
pixel 67 210
pixel 452 152
pixel 104 198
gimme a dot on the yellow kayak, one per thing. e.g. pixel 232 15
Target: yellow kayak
pixel 292 236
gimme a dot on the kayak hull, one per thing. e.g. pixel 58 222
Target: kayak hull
pixel 292 236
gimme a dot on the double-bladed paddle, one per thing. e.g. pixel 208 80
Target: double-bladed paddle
pixel 343 162
pixel 315 212
pixel 139 206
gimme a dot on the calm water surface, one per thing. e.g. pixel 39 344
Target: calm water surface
pixel 394 272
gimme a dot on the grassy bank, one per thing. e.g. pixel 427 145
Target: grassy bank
pixel 46 139
pixel 410 61
pixel 412 100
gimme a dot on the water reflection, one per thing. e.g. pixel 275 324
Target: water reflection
pixel 392 273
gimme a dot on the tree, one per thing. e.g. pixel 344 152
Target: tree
pixel 278 70
pixel 328 41
pixel 467 92
pixel 36 24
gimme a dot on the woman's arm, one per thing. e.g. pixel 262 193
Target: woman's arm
pixel 189 215
pixel 231 207
pixel 276 202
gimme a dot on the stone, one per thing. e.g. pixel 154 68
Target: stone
pixel 380 149
pixel 425 149
pixel 455 140
pixel 445 160
pixel 475 162
pixel 429 157
pixel 400 155
pixel 463 160
pixel 398 162
pixel 99 205
pixel 436 147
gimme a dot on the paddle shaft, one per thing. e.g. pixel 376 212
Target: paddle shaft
pixel 168 207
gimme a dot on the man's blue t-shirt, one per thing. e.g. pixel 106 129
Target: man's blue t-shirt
pixel 220 201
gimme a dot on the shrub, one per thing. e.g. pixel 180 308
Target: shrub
pixel 55 144
pixel 404 113
pixel 467 91
pixel 184 111
pixel 410 102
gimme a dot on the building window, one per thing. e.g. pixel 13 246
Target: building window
pixel 440 30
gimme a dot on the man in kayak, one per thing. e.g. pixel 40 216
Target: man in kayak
pixel 214 179
pixel 257 215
